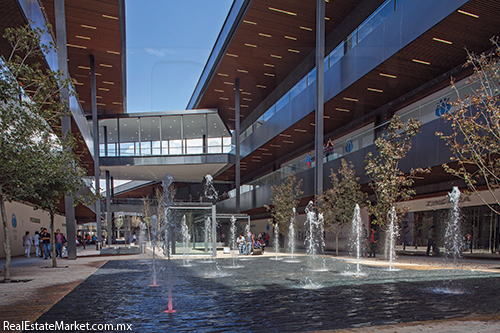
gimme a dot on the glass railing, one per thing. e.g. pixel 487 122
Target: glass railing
pixel 426 112
pixel 363 30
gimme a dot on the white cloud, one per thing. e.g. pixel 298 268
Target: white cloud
pixel 160 52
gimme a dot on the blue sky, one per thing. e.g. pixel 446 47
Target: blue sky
pixel 168 44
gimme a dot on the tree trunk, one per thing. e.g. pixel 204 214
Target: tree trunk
pixel 6 240
pixel 52 240
pixel 337 243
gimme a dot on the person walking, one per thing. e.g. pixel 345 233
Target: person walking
pixel 373 243
pixel 45 239
pixel 36 243
pixel 248 242
pixel 27 241
pixel 431 241
pixel 60 240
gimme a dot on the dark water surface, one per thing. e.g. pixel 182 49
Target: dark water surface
pixel 272 296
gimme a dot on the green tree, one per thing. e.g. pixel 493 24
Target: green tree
pixel 30 116
pixel 475 122
pixel 389 183
pixel 337 203
pixel 147 213
pixel 285 197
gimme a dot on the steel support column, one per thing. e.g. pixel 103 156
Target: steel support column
pixel 108 206
pixel 62 56
pixel 214 231
pixel 237 174
pixel 95 132
pixel 320 95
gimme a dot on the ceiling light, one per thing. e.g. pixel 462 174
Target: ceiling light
pixel 78 83
pixel 285 135
pixel 105 65
pixel 290 37
pixel 282 11
pixel 224 98
pixel 276 56
pixel 442 41
pixel 110 17
pixel 326 117
pixel 81 101
pixel 117 103
pixel 85 76
pixel 350 99
pixel 312 124
pixel 108 82
pixel 218 90
pixel 88 27
pixel 265 35
pixel 250 45
pixel 247 99
pixel 269 65
pixel 83 67
pixel 98 97
pixel 294 51
pixel 286 141
pixel 264 149
pixel 305 28
pixel 245 93
pixel 267 154
pixel 268 74
pixel 226 82
pixel 468 14
pixel 113 52
pixel 300 130
pixel 77 46
pixel 249 22
pixel 82 37
pixel 242 71
pixel 98 74
pixel 374 90
pixel 388 75
pixel 243 106
pixel 232 55
pixel 232 109
pixel 222 74
pixel 343 110
pixel 104 89
pixel 327 18
pixel 256 157
pixel 260 86
pixel 421 61
pixel 276 146
pixel 101 104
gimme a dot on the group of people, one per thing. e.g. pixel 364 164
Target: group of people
pixel 41 242
pixel 249 242
pixel 327 150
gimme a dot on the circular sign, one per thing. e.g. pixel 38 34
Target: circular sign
pixel 348 146
pixel 14 221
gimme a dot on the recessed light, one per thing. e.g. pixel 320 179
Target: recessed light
pixel 267 154
pixel 468 14
pixel 282 11
pixel 343 110
pixel 312 124
pixel 106 65
pixel 294 51
pixel 285 135
pixel 247 99
pixel 305 28
pixel 286 141
pixel 290 37
pixel 268 74
pixel 117 103
pixel 264 149
pixel 78 83
pixel 88 27
pixel 224 98
pixel 269 65
pixel 276 146
pixel 82 37
pixel 232 55
pixel 110 17
pixel 276 56
pixel 245 93
pixel 81 101
pixel 77 46
pixel 326 117
pixel 242 71
pixel 327 18
pixel 350 99
pixel 249 22
pixel 108 82
pixel 222 74
pixel 243 105
pixel 388 75
pixel 218 90
pixel 101 104
pixel 442 41
pixel 421 61
pixel 300 130
pixel 374 90
pixel 104 89
pixel 227 82
pixel 250 45
pixel 83 67
pixel 260 86
pixel 264 35
pixel 113 52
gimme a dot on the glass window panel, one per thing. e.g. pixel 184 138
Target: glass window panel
pixel 336 54
pixel 129 135
pixel 127 149
pixel 298 88
pixel 164 147
pixel 269 113
pixel 156 149
pixel 212 142
pixel 350 41
pixel 194 146
pixel 215 150
pixel 171 127
pixel 111 126
pixel 194 126
pixel 326 64
pixel 102 149
pixel 150 128
pixel 216 127
pixel 146 148
pixel 112 149
pixel 311 77
pixel 175 147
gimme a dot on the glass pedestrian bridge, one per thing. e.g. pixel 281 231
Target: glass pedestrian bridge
pixel 188 132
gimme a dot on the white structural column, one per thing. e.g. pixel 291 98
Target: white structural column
pixel 62 56
pixel 237 174
pixel 320 95
pixel 95 132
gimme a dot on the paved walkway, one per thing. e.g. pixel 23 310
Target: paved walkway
pixel 26 301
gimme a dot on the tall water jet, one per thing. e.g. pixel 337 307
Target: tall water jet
pixel 232 243
pixel 167 199
pixel 291 232
pixel 154 244
pixel 276 241
pixel 314 241
pixel 356 236
pixel 392 233
pixel 453 235
pixel 208 235
pixel 186 239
